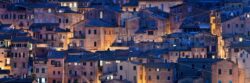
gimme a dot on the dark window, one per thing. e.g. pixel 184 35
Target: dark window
pixel 242 25
pixel 158 77
pixel 230 81
pixel 236 50
pixel 214 48
pixel 168 77
pixel 70 72
pixel 134 78
pixel 75 73
pixel 80 32
pixel 162 6
pixel 134 67
pixel 84 73
pixel 219 71
pixel 150 32
pixel 59 20
pixel 192 66
pixel 91 64
pixel 23 65
pixel 19 54
pixel 25 45
pixel 41 36
pixel 6 16
pixel 89 31
pixel 91 73
pixel 43 70
pixel 54 81
pixel 75 81
pixel 230 71
pixel 236 25
pixel 69 81
pixel 25 16
pixel 149 77
pixel 37 70
pixel 20 16
pixel 23 55
pixel 134 9
pixel 84 63
pixel 66 21
pixel 95 32
pixel 121 67
pixel 14 65
pixel 120 77
pixel 203 66
pixel 219 81
pixel 95 44
pixel 14 16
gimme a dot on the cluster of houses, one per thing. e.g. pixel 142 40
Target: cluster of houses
pixel 125 41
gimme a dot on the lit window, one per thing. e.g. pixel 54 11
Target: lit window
pixel 64 4
pixel 117 61
pixel 107 62
pixel 8 61
pixel 101 14
pixel 70 5
pixel 60 11
pixel 157 69
pixel 101 63
pixel 43 80
pixel 75 4
pixel 49 10
pixel 75 63
pixel 240 39
pixel 111 77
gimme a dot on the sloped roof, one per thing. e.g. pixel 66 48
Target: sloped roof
pixel 57 54
pixel 43 5
pixel 198 60
pixel 159 65
pixel 97 23
pixel 241 44
pixel 22 39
